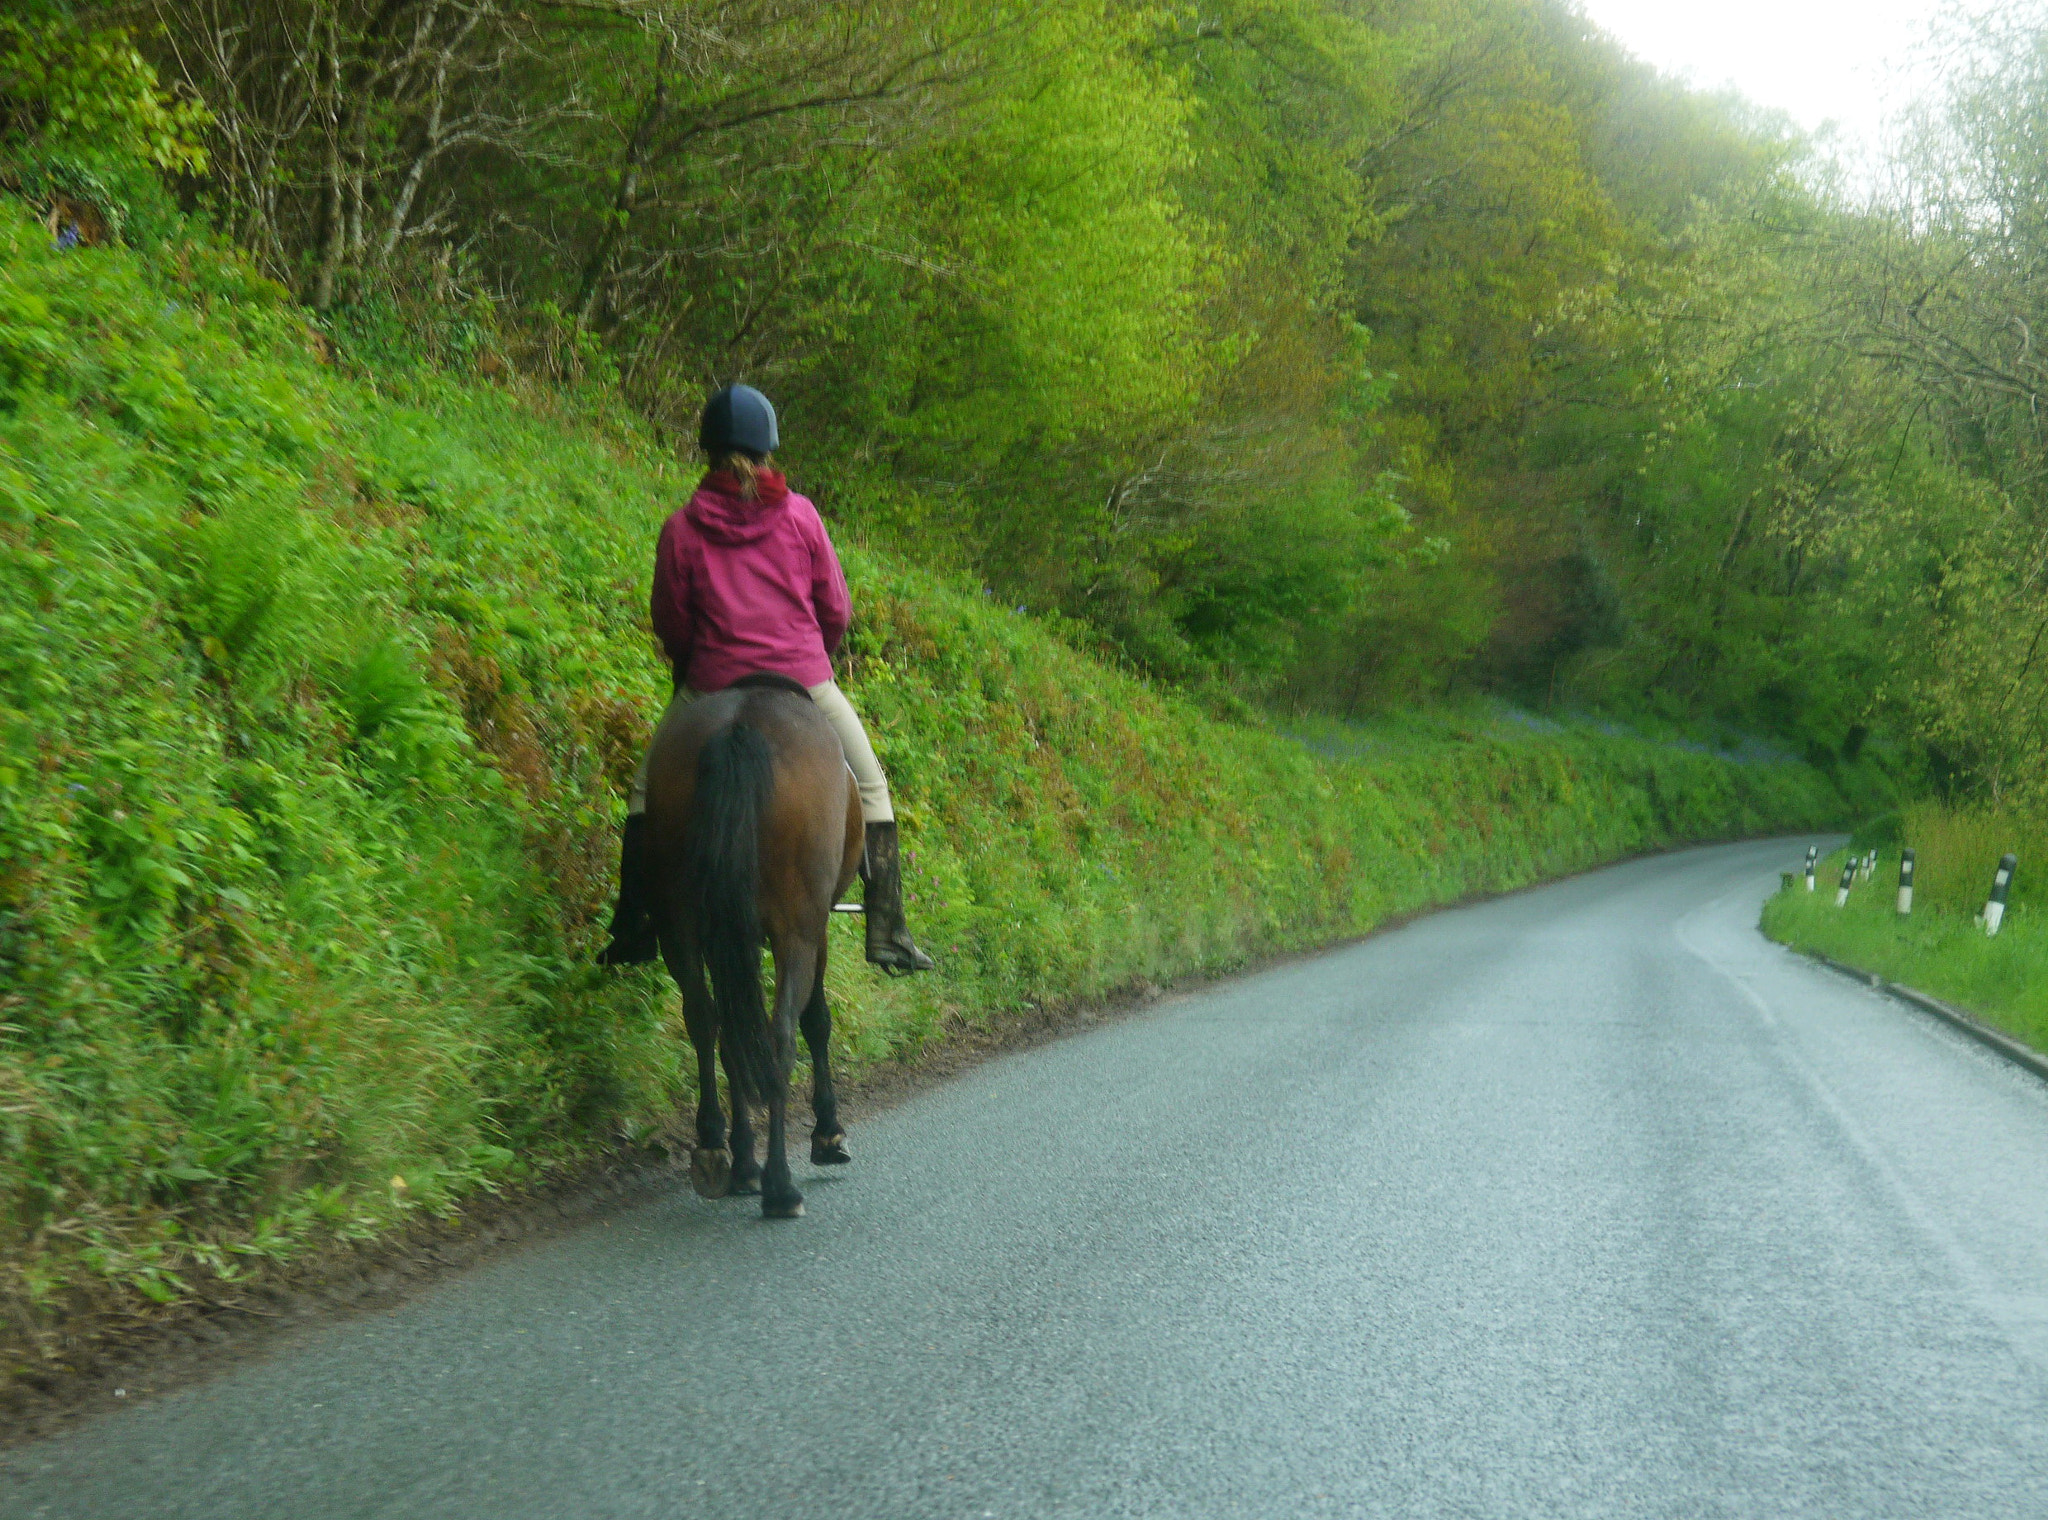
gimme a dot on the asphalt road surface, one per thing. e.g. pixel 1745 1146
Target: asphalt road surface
pixel 1583 1202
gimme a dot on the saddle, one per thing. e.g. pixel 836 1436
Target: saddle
pixel 769 680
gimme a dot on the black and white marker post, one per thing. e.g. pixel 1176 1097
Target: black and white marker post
pixel 1906 882
pixel 1994 910
pixel 1848 878
pixel 1812 858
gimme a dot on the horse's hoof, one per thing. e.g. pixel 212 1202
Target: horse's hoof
pixel 829 1150
pixel 743 1187
pixel 711 1172
pixel 782 1208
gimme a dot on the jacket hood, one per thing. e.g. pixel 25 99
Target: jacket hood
pixel 726 517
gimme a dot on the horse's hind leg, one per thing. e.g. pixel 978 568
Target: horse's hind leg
pixel 828 1140
pixel 796 967
pixel 746 1171
pixel 710 1163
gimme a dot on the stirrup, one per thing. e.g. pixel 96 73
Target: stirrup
pixel 904 958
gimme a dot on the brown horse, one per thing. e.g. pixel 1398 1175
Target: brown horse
pixel 754 831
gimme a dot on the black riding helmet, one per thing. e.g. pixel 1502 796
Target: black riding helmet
pixel 738 418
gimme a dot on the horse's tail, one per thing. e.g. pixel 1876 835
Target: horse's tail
pixel 722 859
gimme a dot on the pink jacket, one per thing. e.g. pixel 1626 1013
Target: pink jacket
pixel 743 586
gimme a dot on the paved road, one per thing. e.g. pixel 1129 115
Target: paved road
pixel 1584 1202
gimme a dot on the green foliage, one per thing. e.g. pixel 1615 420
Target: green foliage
pixel 69 87
pixel 1938 293
pixel 1957 850
pixel 1318 355
pixel 245 830
pixel 85 129
pixel 317 699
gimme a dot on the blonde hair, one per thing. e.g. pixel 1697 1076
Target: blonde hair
pixel 744 468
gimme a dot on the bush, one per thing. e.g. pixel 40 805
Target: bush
pixel 1956 851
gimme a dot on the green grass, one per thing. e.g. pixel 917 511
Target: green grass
pixel 319 689
pixel 1940 948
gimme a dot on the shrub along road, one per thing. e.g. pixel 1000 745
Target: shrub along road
pixel 1586 1200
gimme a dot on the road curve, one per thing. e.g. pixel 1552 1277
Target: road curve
pixel 1582 1202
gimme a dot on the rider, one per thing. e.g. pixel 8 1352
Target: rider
pixel 745 582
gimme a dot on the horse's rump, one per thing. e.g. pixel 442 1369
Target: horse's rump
pixel 755 828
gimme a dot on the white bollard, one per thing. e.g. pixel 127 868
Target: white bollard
pixel 1906 882
pixel 1848 877
pixel 1812 856
pixel 1994 910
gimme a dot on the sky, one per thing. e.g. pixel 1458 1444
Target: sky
pixel 1815 60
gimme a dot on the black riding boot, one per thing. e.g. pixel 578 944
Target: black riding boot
pixel 889 943
pixel 633 938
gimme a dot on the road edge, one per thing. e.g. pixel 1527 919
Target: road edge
pixel 2018 1052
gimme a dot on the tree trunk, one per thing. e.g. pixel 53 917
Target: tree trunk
pixel 629 189
pixel 330 168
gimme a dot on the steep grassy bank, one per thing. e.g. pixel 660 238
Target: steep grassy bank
pixel 1940 948
pixel 319 685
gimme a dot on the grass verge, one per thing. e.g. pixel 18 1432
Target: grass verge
pixel 1940 949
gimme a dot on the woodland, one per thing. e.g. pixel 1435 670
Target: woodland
pixel 1325 354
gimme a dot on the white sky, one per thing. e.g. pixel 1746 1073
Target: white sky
pixel 1815 60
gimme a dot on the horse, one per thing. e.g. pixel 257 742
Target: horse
pixel 754 831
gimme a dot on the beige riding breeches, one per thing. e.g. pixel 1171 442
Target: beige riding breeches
pixel 860 755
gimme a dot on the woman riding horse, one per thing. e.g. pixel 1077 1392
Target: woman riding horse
pixel 746 584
